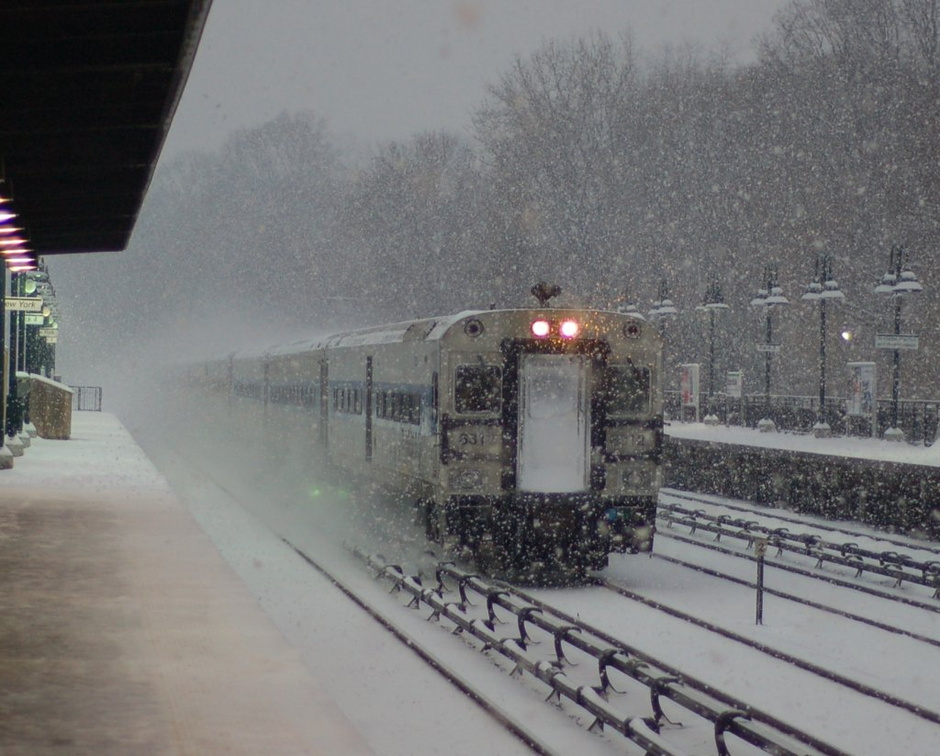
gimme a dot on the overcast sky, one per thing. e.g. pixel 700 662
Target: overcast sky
pixel 386 69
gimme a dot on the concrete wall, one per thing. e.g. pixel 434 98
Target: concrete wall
pixel 891 496
pixel 50 407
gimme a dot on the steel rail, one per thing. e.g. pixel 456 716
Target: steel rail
pixel 724 713
pixel 713 500
pixel 899 567
pixel 783 594
pixel 804 572
pixel 520 732
pixel 847 682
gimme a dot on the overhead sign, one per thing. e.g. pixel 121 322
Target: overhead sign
pixel 23 304
pixel 896 341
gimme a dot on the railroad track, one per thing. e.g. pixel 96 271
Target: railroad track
pixel 593 688
pixel 538 640
pixel 789 596
pixel 903 568
pixel 797 662
pixel 518 729
pixel 696 498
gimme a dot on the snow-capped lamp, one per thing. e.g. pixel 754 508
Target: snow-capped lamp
pixel 897 282
pixel 664 308
pixel 768 297
pixel 822 293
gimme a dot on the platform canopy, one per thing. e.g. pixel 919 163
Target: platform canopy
pixel 88 89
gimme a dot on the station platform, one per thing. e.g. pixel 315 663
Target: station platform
pixel 122 628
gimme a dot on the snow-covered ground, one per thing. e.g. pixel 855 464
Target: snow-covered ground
pixel 840 446
pixel 244 500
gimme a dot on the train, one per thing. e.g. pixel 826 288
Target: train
pixel 528 439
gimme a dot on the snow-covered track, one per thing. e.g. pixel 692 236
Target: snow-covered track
pixel 450 599
pixel 815 669
pixel 840 529
pixel 520 731
pixel 795 598
pixel 929 605
pixel 898 566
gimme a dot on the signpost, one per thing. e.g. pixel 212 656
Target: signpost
pixel 689 388
pixel 896 341
pixel 760 551
pixel 860 393
pixel 23 304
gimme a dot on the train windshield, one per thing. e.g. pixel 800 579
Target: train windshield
pixel 478 389
pixel 628 390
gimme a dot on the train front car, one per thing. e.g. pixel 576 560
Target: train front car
pixel 551 434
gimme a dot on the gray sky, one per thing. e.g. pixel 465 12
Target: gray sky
pixel 384 69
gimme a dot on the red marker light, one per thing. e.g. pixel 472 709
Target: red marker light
pixel 540 328
pixel 569 329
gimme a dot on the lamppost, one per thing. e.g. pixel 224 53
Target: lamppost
pixel 664 308
pixel 768 297
pixel 713 304
pixel 897 283
pixel 663 311
pixel 822 290
pixel 627 306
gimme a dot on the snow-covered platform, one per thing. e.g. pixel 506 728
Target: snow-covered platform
pixel 873 449
pixel 885 484
pixel 123 630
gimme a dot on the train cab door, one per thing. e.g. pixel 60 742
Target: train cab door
pixel 554 423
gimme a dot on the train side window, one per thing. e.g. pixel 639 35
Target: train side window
pixel 478 389
pixel 628 390
pixel 380 404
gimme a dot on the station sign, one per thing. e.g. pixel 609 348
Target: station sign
pixel 896 341
pixel 34 318
pixel 48 333
pixel 23 304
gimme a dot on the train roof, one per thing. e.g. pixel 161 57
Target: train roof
pixel 425 329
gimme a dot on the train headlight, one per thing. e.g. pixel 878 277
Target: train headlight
pixel 541 328
pixel 466 480
pixel 569 329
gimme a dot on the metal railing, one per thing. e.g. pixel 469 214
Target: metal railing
pixel 86 398
pixel 919 419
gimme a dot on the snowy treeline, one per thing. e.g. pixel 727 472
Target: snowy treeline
pixel 604 169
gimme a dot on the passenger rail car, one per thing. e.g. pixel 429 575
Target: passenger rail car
pixel 528 437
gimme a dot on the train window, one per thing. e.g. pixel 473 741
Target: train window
pixel 478 388
pixel 380 404
pixel 412 409
pixel 628 390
